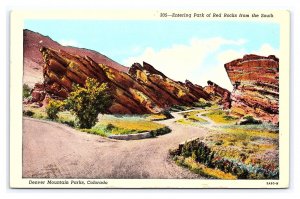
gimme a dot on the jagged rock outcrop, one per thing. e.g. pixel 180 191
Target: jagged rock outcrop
pixel 256 86
pixel 142 90
pixel 33 60
pixel 222 94
pixel 197 90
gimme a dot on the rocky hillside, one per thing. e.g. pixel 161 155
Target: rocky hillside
pixel 142 90
pixel 33 60
pixel 256 86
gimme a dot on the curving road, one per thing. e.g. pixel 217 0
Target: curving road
pixel 52 150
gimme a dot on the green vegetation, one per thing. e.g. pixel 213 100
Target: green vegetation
pixel 191 118
pixel 95 131
pixel 221 117
pixel 161 131
pixel 65 117
pixel 156 117
pixel 34 112
pixel 232 151
pixel 53 107
pixel 121 125
pixel 201 169
pixel 205 159
pixel 28 113
pixel 108 124
pixel 177 108
pixel 26 91
pixel 249 120
pixel 202 103
pixel 126 124
pixel 87 102
pixel 84 102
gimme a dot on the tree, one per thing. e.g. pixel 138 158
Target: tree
pixel 88 101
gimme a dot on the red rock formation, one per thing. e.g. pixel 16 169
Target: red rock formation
pixel 256 86
pixel 142 90
pixel 33 60
pixel 197 90
pixel 38 93
pixel 222 94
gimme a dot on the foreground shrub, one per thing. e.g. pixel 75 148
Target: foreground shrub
pixel 87 102
pixel 201 153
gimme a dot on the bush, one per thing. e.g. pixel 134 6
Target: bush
pixel 109 127
pixel 26 91
pixel 160 131
pixel 53 107
pixel 87 102
pixel 177 108
pixel 202 103
pixel 167 114
pixel 69 123
pixel 249 120
pixel 28 113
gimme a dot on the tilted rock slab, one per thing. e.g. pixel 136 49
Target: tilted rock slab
pixel 142 90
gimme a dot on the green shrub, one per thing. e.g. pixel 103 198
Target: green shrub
pixel 167 114
pixel 26 91
pixel 95 132
pixel 177 108
pixel 53 107
pixel 87 102
pixel 70 123
pixel 160 131
pixel 28 113
pixel 249 120
pixel 229 118
pixel 109 127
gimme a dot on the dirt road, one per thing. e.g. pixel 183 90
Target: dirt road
pixel 52 150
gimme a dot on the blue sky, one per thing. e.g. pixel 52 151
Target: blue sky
pixel 194 50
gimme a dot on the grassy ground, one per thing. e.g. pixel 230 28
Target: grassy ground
pixel 119 125
pixel 221 117
pixel 253 144
pixel 156 117
pixel 218 116
pixel 108 124
pixel 191 118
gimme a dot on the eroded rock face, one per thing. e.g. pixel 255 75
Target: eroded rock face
pixel 38 93
pixel 142 90
pixel 256 86
pixel 223 94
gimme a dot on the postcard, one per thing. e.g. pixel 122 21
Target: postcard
pixel 149 99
